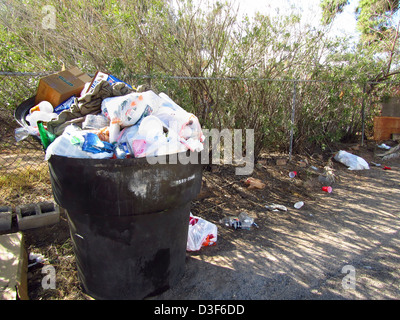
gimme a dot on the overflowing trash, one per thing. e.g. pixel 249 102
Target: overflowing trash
pixel 350 160
pixel 108 119
pixel 202 233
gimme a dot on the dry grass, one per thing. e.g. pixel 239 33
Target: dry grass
pixel 25 185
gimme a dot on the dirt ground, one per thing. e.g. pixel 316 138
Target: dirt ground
pixel 298 254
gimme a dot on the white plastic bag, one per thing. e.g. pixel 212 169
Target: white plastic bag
pixel 127 110
pixel 147 138
pixel 63 146
pixel 350 160
pixel 202 233
pixel 185 124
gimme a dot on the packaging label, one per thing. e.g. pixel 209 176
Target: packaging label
pixel 66 105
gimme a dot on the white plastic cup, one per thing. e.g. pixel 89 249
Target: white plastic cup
pixel 299 204
pixel 292 174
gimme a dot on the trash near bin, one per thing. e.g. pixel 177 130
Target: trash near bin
pixel 128 221
pixel 128 217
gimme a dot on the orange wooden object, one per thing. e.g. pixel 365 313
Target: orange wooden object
pixel 384 127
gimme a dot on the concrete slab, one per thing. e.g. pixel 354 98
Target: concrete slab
pixel 13 267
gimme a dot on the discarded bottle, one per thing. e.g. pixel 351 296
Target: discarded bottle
pixel 233 222
pixel 245 220
pixel 45 136
pixel 44 106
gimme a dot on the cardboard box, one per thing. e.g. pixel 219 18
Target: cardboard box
pixel 58 87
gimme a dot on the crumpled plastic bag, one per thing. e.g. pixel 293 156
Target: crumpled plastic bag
pixel 69 145
pixel 150 138
pixel 127 110
pixel 350 160
pixel 185 124
pixel 202 233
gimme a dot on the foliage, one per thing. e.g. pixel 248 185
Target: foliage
pixel 208 59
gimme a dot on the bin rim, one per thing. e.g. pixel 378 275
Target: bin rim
pixel 155 160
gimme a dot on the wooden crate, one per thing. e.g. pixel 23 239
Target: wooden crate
pixel 384 127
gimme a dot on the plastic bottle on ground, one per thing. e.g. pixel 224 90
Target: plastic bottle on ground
pixel 245 220
pixel 231 221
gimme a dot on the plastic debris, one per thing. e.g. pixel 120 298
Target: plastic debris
pixel 117 124
pixel 243 221
pixel 350 160
pixel 35 258
pixel 327 189
pixel 202 233
pixel 299 204
pixel 383 146
pixel 254 183
pixel 276 207
pixel 376 164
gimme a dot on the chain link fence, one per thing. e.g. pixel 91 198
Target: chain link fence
pixel 23 173
pixel 291 112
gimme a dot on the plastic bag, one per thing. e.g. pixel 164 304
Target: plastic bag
pixel 150 137
pixel 66 145
pixel 127 110
pixel 24 132
pixel 97 121
pixel 350 160
pixel 202 233
pixel 185 124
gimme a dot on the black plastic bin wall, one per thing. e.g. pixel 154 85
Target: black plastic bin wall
pixel 128 221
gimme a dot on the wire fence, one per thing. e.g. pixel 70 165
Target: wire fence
pixel 290 111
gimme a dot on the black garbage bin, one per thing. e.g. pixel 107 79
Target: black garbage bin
pixel 128 221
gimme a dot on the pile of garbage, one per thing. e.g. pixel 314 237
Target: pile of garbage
pixel 108 118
